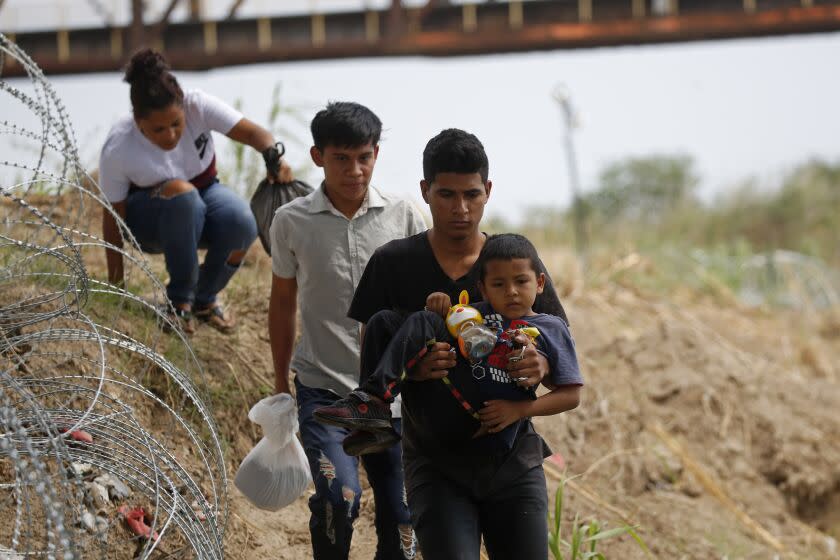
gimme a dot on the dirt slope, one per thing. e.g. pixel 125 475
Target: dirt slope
pixel 750 396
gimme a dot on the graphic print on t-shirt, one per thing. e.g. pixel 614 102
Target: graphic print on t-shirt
pixel 201 144
pixel 496 361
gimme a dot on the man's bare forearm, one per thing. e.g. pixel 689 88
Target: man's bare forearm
pixel 282 309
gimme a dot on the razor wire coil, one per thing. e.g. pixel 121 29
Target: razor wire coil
pixel 99 418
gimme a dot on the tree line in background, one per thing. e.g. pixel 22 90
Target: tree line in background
pixel 646 202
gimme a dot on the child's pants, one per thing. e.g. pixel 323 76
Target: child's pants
pixel 382 363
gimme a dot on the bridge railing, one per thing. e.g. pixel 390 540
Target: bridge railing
pixel 449 30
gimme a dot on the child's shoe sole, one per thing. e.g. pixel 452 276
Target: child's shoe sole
pixel 363 442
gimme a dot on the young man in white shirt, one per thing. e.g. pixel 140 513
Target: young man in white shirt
pixel 320 245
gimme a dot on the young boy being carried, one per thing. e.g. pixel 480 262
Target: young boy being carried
pixel 495 403
pixel 320 244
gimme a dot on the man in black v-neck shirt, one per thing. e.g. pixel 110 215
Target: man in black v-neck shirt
pixel 454 498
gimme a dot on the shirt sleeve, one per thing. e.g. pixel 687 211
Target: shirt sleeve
pixel 556 343
pixel 415 222
pixel 284 262
pixel 371 296
pixel 548 302
pixel 216 114
pixel 112 180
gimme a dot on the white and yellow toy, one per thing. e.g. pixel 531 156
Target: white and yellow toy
pixel 465 323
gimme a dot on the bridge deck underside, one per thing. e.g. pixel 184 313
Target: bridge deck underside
pixel 452 30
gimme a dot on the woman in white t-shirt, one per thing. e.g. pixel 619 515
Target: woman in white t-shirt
pixel 158 170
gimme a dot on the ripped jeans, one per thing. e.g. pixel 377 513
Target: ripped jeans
pixel 215 218
pixel 335 504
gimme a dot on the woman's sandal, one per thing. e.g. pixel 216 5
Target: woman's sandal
pixel 182 318
pixel 216 318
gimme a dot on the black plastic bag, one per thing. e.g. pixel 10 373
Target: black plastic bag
pixel 268 198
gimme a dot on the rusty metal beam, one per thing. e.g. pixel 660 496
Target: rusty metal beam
pixel 164 19
pixel 98 8
pixel 431 6
pixel 234 8
pixel 241 43
pixel 195 10
pixel 138 28
pixel 395 20
pixel 160 26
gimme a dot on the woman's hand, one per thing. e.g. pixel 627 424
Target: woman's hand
pixel 277 170
pixel 525 365
pixel 439 303
pixel 252 134
pixel 498 414
pixel 285 175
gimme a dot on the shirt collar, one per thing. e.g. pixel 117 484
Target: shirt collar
pixel 320 202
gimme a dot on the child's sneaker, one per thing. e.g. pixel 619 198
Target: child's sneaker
pixel 362 442
pixel 358 411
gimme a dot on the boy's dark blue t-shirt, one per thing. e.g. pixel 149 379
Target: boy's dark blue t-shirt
pixel 399 277
pixel 489 380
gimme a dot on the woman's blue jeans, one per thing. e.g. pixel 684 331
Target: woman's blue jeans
pixel 214 217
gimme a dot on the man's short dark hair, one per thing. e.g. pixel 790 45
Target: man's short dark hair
pixel 506 247
pixel 454 151
pixel 345 124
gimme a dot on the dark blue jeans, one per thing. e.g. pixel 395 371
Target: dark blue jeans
pixel 335 504
pixel 215 218
pixel 391 340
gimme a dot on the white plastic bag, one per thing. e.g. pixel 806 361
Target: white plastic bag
pixel 275 473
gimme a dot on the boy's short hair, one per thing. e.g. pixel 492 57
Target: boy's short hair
pixel 506 247
pixel 345 124
pixel 454 151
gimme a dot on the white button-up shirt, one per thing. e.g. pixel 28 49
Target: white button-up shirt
pixel 326 252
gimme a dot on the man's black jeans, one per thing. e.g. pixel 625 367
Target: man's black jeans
pixel 450 517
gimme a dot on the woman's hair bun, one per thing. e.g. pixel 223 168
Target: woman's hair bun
pixel 145 66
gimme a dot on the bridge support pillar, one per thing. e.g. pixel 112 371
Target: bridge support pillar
pixel 515 16
pixel 585 10
pixel 639 8
pixel 372 26
pixel 211 39
pixel 469 17
pixel 264 34
pixel 10 60
pixel 116 43
pixel 62 38
pixel 319 30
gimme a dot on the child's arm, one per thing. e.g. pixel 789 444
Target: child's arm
pixel 499 414
pixel 439 303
